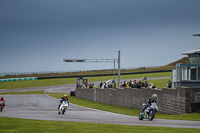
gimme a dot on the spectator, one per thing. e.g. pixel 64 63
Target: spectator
pixel 110 85
pixel 169 84
pixel 84 86
pixel 106 86
pixel 152 86
pixel 103 86
pixel 120 85
pixel 127 85
pixel 138 84
pixel 88 86
pixel 91 85
pixel 133 85
pixel 100 85
pixel 145 83
pixel 130 83
pixel 142 84
pixel 135 81
pixel 124 84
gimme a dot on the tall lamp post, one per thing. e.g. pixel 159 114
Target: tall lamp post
pixel 102 61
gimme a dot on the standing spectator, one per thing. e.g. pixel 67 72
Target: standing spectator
pixel 130 83
pixel 84 85
pixel 120 85
pixel 145 83
pixel 110 85
pixel 135 82
pixel 106 86
pixel 124 84
pixel 103 86
pixel 142 84
pixel 127 85
pixel 133 85
pixel 152 86
pixel 138 84
pixel 169 84
pixel 91 85
pixel 100 85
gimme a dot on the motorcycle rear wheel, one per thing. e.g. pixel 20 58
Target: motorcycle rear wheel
pixel 141 117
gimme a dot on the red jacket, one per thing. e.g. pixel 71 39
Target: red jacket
pixel 3 100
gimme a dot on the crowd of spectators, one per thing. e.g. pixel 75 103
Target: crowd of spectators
pixel 103 85
pixel 137 84
pixel 125 84
pixel 90 85
pixel 131 84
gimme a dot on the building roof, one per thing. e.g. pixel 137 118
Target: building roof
pixel 193 51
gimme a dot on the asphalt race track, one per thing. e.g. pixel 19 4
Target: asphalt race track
pixel 44 107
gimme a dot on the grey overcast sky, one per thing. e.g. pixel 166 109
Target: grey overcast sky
pixel 36 35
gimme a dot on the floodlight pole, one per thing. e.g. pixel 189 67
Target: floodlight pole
pixel 114 74
pixel 101 60
pixel 118 69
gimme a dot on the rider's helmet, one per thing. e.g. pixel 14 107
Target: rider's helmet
pixel 154 96
pixel 65 95
pixel 1 98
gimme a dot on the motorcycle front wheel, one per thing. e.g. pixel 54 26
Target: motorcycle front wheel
pixel 151 115
pixel 63 111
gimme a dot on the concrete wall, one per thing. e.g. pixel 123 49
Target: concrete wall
pixel 170 101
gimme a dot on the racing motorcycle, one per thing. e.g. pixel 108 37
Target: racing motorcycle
pixel 149 112
pixel 63 107
pixel 2 104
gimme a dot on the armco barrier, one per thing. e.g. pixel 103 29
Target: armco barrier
pixel 18 79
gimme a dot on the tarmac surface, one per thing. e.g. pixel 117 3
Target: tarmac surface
pixel 44 107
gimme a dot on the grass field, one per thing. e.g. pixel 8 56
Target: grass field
pixel 60 81
pixel 16 125
pixel 91 104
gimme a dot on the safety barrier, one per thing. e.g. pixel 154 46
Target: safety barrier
pixel 18 79
pixel 170 100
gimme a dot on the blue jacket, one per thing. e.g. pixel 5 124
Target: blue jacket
pixel 63 99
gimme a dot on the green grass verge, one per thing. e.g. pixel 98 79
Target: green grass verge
pixel 126 111
pixel 61 81
pixel 17 125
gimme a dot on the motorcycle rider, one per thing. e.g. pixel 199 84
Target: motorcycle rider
pixel 150 100
pixel 65 98
pixel 4 103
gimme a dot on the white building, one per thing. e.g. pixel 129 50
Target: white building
pixel 188 75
